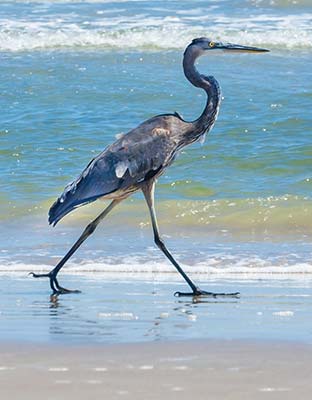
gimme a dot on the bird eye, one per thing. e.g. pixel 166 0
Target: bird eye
pixel 211 44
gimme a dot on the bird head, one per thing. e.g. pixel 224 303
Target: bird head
pixel 203 44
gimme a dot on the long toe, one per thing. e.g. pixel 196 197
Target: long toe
pixel 204 293
pixel 62 290
pixel 34 275
pixel 185 294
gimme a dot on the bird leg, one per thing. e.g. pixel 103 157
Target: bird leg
pixel 55 286
pixel 148 191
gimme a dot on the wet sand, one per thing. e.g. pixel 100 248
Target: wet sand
pixel 169 370
pixel 133 339
pixel 126 310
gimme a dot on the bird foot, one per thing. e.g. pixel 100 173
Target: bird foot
pixel 57 289
pixel 62 290
pixel 204 293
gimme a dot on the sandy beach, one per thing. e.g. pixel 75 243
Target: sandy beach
pixel 202 369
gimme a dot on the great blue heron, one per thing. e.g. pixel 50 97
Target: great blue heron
pixel 138 158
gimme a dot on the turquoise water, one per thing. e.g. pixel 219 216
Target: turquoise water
pixel 74 74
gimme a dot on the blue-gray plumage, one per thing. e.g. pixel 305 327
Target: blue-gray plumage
pixel 138 158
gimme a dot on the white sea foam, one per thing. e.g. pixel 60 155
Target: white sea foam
pixel 132 267
pixel 151 33
pixel 283 313
pixel 118 315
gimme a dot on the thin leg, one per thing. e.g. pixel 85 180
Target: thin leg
pixel 148 191
pixel 55 286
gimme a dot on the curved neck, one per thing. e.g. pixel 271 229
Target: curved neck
pixel 211 87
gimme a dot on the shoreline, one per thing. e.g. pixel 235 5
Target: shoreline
pixel 219 369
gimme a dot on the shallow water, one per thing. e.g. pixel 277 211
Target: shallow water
pixel 75 74
pixel 128 310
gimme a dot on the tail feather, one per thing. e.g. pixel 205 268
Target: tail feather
pixel 59 209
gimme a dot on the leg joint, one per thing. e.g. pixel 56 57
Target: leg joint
pixel 159 243
pixel 90 228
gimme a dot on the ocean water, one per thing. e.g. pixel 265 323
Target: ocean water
pixel 74 74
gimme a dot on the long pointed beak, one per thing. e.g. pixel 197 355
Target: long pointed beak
pixel 238 48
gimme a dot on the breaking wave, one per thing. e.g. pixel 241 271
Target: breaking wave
pixel 168 33
pixel 219 266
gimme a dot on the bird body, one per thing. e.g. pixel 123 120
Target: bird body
pixel 135 160
pixel 141 154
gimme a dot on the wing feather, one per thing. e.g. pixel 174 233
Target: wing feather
pixel 130 160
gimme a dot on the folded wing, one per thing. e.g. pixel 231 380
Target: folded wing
pixel 133 158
